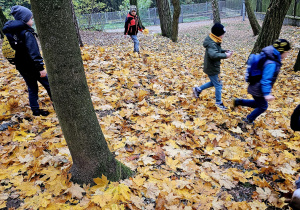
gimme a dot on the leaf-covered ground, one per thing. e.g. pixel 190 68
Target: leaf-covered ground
pixel 186 153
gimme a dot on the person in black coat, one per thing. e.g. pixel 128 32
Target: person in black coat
pixel 28 59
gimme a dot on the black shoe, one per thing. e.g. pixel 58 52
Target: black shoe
pixel 249 122
pixel 39 112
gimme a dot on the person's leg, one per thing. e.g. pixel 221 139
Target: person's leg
pixel 44 81
pixel 218 87
pixel 198 90
pixel 261 107
pixel 136 43
pixel 33 89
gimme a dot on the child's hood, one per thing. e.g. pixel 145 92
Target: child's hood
pixel 15 26
pixel 272 53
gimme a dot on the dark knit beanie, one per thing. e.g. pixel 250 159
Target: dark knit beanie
pixel 282 45
pixel 218 29
pixel 21 13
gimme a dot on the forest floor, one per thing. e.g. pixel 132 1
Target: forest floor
pixel 186 154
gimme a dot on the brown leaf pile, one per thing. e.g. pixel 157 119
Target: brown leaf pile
pixel 186 153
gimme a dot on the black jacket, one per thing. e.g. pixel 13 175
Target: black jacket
pixel 28 59
pixel 132 25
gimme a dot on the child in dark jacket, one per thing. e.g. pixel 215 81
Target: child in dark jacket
pixel 261 90
pixel 28 59
pixel 132 26
pixel 212 60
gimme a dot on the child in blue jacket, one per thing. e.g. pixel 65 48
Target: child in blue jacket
pixel 261 90
pixel 28 59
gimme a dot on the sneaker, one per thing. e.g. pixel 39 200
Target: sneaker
pixel 221 106
pixel 249 122
pixel 295 202
pixel 39 112
pixel 196 92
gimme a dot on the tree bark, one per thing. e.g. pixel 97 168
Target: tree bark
pixel 3 20
pixel 73 105
pixel 297 64
pixel 176 14
pixel 216 12
pixel 135 2
pixel 76 25
pixel 272 24
pixel 252 18
pixel 165 18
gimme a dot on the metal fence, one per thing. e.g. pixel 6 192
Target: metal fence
pixel 189 13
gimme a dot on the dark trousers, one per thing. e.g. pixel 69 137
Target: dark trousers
pixel 259 103
pixel 33 89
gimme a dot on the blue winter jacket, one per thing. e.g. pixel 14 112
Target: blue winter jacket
pixel 269 74
pixel 28 58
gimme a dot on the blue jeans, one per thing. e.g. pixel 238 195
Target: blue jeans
pixel 214 81
pixel 136 43
pixel 33 89
pixel 259 103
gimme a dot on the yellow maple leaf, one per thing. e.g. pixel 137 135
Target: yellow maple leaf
pixel 76 191
pixel 103 181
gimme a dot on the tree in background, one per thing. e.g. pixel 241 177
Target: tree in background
pixel 88 6
pixel 73 105
pixel 216 12
pixel 142 4
pixel 176 14
pixel 76 25
pixel 258 5
pixel 165 17
pixel 3 20
pixel 169 27
pixel 252 18
pixel 272 24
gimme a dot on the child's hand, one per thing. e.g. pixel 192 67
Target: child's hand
pixel 228 54
pixel 43 73
pixel 269 98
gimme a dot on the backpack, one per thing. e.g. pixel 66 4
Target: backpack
pixel 255 66
pixel 295 119
pixel 11 42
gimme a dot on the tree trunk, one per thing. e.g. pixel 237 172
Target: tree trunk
pixel 216 13
pixel 272 24
pixel 135 2
pixel 252 18
pixel 258 5
pixel 91 13
pixel 176 14
pixel 165 18
pixel 297 64
pixel 73 105
pixel 3 20
pixel 76 25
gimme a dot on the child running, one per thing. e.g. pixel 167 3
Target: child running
pixel 212 60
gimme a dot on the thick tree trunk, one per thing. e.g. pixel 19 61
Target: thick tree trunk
pixel 176 14
pixel 252 18
pixel 3 20
pixel 216 12
pixel 76 25
pixel 297 64
pixel 135 2
pixel 165 18
pixel 71 96
pixel 272 24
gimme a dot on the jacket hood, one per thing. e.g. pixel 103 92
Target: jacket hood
pixel 15 26
pixel 207 41
pixel 272 53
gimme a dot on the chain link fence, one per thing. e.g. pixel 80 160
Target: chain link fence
pixel 189 13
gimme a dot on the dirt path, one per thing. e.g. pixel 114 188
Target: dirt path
pixel 115 36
